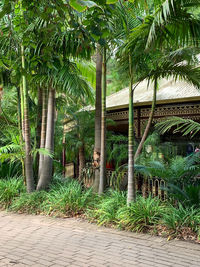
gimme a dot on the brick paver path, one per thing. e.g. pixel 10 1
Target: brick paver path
pixel 40 241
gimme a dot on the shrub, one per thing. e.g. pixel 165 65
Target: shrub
pixel 67 199
pixel 10 189
pixel 29 203
pixel 177 218
pixel 105 210
pixel 140 215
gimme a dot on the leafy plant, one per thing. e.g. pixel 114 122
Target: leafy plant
pixel 66 199
pixel 177 218
pixel 141 215
pixel 29 203
pixel 104 213
pixel 9 190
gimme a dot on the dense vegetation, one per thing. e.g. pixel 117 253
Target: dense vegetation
pixel 67 198
pixel 48 83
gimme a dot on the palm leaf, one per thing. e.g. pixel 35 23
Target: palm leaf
pixel 185 126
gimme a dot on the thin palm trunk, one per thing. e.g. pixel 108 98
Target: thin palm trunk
pixel 47 165
pixel 81 160
pixel 102 182
pixel 97 146
pixel 38 131
pixel 131 179
pixel 22 109
pixel 64 153
pixel 27 136
pixel 43 129
pixel 19 115
pixel 146 131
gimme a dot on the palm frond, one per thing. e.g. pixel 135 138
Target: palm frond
pixel 185 126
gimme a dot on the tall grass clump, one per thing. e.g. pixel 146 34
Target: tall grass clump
pixel 67 199
pixel 104 212
pixel 29 203
pixel 9 190
pixel 140 215
pixel 179 219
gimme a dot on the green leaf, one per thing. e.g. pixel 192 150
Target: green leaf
pixel 81 5
pixel 108 2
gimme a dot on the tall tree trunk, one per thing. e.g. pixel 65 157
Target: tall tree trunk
pixel 81 160
pixel 43 129
pixel 19 115
pixel 22 109
pixel 97 145
pixel 131 196
pixel 102 182
pixel 38 132
pixel 47 166
pixel 146 131
pixel 64 153
pixel 27 136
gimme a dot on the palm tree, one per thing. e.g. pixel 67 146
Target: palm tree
pixel 28 157
pixel 47 164
pixel 128 22
pixel 102 181
pixel 97 143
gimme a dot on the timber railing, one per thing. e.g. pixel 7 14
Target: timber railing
pixel 118 180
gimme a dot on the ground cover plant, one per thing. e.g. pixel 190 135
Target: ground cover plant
pixel 68 198
pixel 10 189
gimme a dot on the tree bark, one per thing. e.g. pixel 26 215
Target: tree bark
pixel 81 160
pixel 131 196
pixel 47 166
pixel 22 109
pixel 43 129
pixel 97 145
pixel 102 182
pixel 146 131
pixel 27 136
pixel 38 132
pixel 19 115
pixel 63 153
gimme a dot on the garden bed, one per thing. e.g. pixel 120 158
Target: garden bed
pixel 68 199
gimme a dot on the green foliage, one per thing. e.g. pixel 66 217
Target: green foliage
pixel 177 218
pixel 117 148
pixel 184 126
pixel 104 213
pixel 180 175
pixel 29 203
pixel 9 190
pixel 10 169
pixel 141 215
pixel 188 195
pixel 67 198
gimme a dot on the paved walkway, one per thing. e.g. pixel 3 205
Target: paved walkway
pixel 40 241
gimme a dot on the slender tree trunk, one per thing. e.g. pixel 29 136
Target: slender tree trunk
pixel 131 179
pixel 81 160
pixel 43 129
pixel 19 115
pixel 97 145
pixel 146 131
pixel 38 132
pixel 27 136
pixel 22 109
pixel 47 166
pixel 64 153
pixel 102 182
